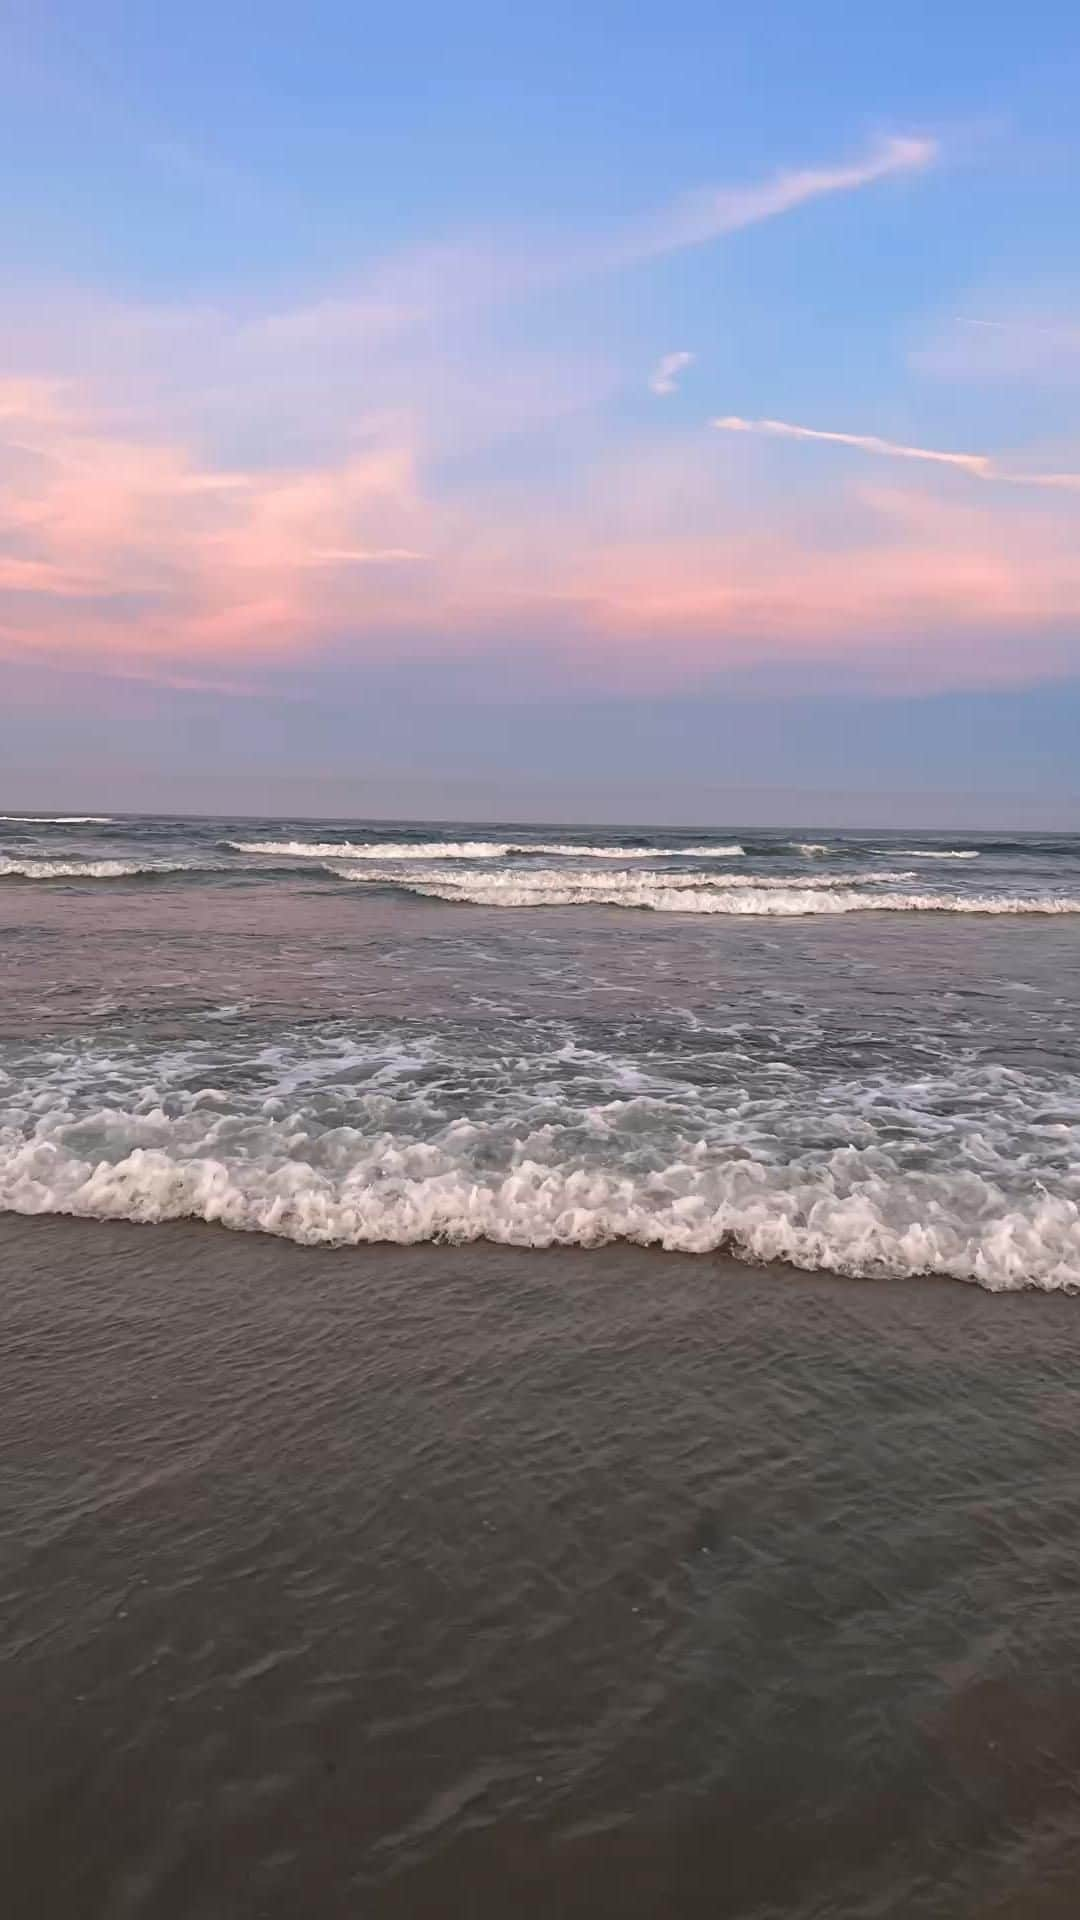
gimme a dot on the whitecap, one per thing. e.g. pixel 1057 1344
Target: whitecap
pixel 693 893
pixel 471 850
pixel 98 869
pixel 375 850
pixel 67 869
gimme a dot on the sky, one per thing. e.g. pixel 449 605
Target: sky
pixel 567 412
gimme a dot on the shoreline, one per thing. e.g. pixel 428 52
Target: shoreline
pixel 13 1223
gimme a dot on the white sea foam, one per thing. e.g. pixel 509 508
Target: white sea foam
pixel 819 1179
pixel 68 869
pixel 613 881
pixel 59 819
pixel 693 893
pixel 469 850
pixel 731 851
pixel 812 848
pixel 99 869
pixel 371 850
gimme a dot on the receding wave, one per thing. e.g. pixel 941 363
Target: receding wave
pixel 693 893
pixel 470 850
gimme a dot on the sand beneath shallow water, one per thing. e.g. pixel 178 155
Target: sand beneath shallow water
pixel 463 1581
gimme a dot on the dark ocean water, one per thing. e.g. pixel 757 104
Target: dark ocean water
pixel 857 1052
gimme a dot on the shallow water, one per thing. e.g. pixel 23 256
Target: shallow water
pixel 852 1052
pixel 474 1581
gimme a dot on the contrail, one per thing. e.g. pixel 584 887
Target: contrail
pixel 980 465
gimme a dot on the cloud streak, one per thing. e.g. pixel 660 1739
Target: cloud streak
pixel 981 466
pixel 713 212
pixel 1033 345
pixel 1060 336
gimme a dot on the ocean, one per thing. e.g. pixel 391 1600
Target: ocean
pixel 855 1052
pixel 488 1418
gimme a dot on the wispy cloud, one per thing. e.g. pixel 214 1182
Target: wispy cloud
pixel 664 377
pixel 520 262
pixel 383 331
pixel 134 550
pixel 976 463
pixel 1032 343
pixel 378 473
pixel 981 466
pixel 1061 336
pixel 712 212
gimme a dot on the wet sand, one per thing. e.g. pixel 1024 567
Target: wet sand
pixel 465 1581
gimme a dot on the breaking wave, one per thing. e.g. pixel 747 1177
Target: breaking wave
pixel 614 882
pixel 115 869
pixel 570 849
pixel 70 869
pixel 938 853
pixel 694 893
pixel 59 819
pixel 347 1150
pixel 370 850
pixel 470 850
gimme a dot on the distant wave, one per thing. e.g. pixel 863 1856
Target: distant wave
pixel 59 819
pixel 373 850
pixel 116 869
pixel 68 869
pixel 734 851
pixel 612 881
pixel 814 848
pixel 151 870
pixel 692 893
pixel 731 851
pixel 468 850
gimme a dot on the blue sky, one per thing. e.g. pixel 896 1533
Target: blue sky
pixel 359 372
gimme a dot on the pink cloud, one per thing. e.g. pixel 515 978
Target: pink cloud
pixel 218 563
pixel 130 553
pixel 344 478
pixel 927 593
